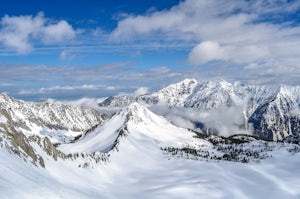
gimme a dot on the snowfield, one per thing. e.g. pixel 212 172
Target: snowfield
pixel 144 172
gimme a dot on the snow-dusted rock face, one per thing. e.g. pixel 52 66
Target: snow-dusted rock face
pixel 60 122
pixel 30 130
pixel 272 111
pixel 172 95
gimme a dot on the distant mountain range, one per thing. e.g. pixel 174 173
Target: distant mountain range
pixel 270 112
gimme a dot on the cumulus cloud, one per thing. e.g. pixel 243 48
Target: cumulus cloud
pixel 189 20
pixel 209 51
pixel 20 33
pixel 206 51
pixel 236 32
pixel 58 32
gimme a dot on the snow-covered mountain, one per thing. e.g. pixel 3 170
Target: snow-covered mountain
pixel 137 153
pixel 137 123
pixel 135 126
pixel 27 127
pixel 62 123
pixel 51 150
pixel 272 112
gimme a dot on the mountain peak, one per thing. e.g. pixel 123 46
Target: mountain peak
pixel 217 83
pixel 283 89
pixel 177 92
pixel 188 81
pixel 4 96
pixel 133 108
pixel 184 84
pixel 135 105
pixel 136 123
pixel 136 112
pixel 225 83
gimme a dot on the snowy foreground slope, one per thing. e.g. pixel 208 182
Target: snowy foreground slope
pixel 137 174
pixel 271 112
pixel 137 154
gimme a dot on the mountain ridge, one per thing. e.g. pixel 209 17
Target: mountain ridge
pixel 137 148
pixel 134 121
pixel 271 110
pixel 44 118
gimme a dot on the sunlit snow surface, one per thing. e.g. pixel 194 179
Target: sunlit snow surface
pixel 139 168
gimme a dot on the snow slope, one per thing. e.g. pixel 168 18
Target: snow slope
pixel 137 167
pixel 136 123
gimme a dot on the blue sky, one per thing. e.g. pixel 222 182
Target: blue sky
pixel 73 49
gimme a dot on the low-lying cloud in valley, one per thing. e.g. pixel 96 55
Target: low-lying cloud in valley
pixel 223 121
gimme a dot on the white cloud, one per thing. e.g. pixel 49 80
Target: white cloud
pixel 106 80
pixel 225 120
pixel 141 91
pixel 111 88
pixel 21 32
pixel 209 51
pixel 58 32
pixel 66 55
pixel 189 20
pixel 60 88
pixel 110 74
pixel 3 84
pixel 206 51
pixel 63 55
pixel 85 102
pixel 236 32
pixel 160 70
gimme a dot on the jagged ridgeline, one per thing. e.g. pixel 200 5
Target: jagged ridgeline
pixel 44 124
pixel 271 112
pixel 37 130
